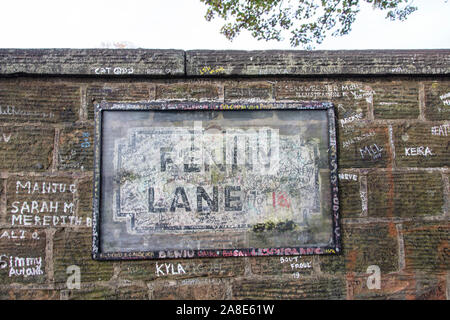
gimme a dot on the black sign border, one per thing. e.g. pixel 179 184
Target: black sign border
pixel 218 106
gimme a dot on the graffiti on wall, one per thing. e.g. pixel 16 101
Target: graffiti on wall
pixel 212 182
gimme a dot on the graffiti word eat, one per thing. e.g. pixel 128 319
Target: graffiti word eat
pixel 441 130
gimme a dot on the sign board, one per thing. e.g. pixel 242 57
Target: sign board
pixel 180 179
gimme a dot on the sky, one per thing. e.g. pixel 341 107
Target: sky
pixel 180 24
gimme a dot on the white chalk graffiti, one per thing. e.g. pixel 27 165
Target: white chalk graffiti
pixel 441 130
pixel 21 266
pixel 418 151
pixel 372 152
pixel 445 98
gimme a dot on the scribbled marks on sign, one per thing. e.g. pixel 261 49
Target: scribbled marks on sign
pixel 239 165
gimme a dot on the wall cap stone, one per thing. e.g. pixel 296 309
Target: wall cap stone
pixel 214 63
pixel 107 62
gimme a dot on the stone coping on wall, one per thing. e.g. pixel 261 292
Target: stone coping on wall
pixel 213 63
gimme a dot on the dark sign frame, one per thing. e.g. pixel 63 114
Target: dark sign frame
pixel 177 106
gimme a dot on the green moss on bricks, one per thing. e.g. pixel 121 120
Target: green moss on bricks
pixel 427 246
pixel 305 288
pixel 396 100
pixel 26 148
pixel 192 90
pixel 349 195
pixel 370 244
pixel 405 194
pixel 74 248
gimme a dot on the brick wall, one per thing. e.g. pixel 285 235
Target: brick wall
pixel 393 111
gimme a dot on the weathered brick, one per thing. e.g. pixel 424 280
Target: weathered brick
pixel 305 288
pixel 29 294
pixel 131 292
pixel 313 63
pixel 332 264
pixel 293 266
pixel 437 100
pixel 192 290
pixel 363 145
pixel 76 149
pixel 422 145
pixel 85 196
pixel 43 201
pixel 181 269
pixel 38 102
pixel 22 256
pixel 349 194
pixel 74 248
pixel 398 287
pixel 370 244
pixel 405 194
pixel 427 246
pixel 350 98
pixel 248 91
pixel 187 91
pixel 116 92
pixel 396 100
pixel 26 148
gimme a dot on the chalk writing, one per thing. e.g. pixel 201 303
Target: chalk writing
pixel 418 151
pixel 353 140
pixel 441 130
pixel 348 176
pixel 21 266
pixel 45 212
pixel 372 152
pixel 44 187
pixel 5 137
pixel 85 140
pixel 445 98
pixel 330 91
pixel 351 119
pixel 18 234
pixel 16 112
pixel 114 70
pixel 169 269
